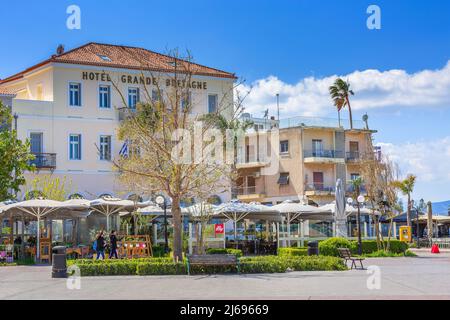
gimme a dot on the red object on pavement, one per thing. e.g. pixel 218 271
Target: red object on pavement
pixel 435 248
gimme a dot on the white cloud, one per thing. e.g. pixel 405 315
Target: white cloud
pixel 373 89
pixel 428 160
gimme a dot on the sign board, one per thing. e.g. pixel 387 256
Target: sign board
pixel 219 228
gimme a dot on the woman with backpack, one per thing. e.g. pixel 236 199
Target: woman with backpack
pixel 100 246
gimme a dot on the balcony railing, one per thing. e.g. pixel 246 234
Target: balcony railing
pixel 353 156
pixel 251 158
pixel 332 154
pixel 44 160
pixel 320 187
pixel 351 188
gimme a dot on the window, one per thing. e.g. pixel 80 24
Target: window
pixel 156 96
pixel 317 146
pixel 133 97
pixel 354 176
pixel 36 142
pixel 186 101
pixel 212 103
pixel 104 58
pixel 284 178
pixel 284 146
pixel 75 94
pixel 105 147
pixel 75 147
pixel 104 96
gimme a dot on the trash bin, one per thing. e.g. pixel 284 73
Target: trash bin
pixel 313 248
pixel 59 266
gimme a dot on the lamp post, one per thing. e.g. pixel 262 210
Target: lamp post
pixel 160 200
pixel 359 200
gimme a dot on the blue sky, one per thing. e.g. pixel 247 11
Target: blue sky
pixel 291 47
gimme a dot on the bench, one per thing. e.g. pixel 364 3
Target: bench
pixel 345 254
pixel 212 260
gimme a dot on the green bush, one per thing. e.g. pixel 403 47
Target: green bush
pixel 370 246
pixel 160 268
pixel 329 246
pixel 292 252
pixel 236 252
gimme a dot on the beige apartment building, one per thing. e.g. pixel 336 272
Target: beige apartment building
pixel 313 154
pixel 69 108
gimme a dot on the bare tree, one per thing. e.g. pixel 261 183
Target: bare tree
pixel 170 150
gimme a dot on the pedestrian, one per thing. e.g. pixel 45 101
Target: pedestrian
pixel 113 245
pixel 100 246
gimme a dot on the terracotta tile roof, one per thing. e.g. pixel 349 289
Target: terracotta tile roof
pixel 116 56
pixel 6 92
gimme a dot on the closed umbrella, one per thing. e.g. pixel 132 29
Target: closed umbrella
pixel 340 216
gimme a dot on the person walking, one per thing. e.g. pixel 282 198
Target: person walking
pixel 100 246
pixel 113 245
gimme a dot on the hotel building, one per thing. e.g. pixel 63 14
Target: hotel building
pixel 313 154
pixel 68 108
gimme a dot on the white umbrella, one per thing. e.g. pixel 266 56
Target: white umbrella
pixel 40 208
pixel 340 216
pixel 109 206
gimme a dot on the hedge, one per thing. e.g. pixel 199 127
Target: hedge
pixel 236 252
pixel 329 247
pixel 292 252
pixel 163 266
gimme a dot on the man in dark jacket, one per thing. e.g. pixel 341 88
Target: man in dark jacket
pixel 113 245
pixel 100 246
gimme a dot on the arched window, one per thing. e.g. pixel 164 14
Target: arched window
pixel 215 199
pixel 76 196
pixel 34 194
pixel 135 197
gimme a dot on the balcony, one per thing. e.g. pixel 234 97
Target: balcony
pixel 247 194
pixel 252 161
pixel 44 161
pixel 319 189
pixel 353 156
pixel 350 189
pixel 323 156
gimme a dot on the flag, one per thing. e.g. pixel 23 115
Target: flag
pixel 124 150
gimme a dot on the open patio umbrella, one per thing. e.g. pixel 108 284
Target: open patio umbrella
pixel 295 210
pixel 236 211
pixel 40 208
pixel 109 206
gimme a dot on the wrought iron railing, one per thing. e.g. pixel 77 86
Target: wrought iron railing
pixel 44 160
pixel 319 187
pixel 323 153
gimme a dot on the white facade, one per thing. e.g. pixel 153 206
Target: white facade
pixel 46 111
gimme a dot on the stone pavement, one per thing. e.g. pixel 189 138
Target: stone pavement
pixel 423 277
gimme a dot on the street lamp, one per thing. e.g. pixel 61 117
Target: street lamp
pixel 161 201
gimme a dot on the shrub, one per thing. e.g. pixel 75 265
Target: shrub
pixel 160 268
pixel 329 246
pixel 236 252
pixel 292 252
pixel 370 246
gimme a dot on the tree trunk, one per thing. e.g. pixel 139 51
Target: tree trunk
pixel 350 113
pixel 177 239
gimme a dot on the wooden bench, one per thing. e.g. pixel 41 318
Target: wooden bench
pixel 212 260
pixel 345 254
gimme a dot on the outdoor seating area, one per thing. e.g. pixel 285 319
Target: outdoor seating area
pixel 30 229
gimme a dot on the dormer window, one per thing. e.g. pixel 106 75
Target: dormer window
pixel 104 58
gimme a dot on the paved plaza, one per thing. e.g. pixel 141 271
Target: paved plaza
pixel 424 277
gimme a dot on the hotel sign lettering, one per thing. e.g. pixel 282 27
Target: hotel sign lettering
pixel 141 80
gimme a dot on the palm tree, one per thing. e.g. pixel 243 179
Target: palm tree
pixel 340 92
pixel 406 186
